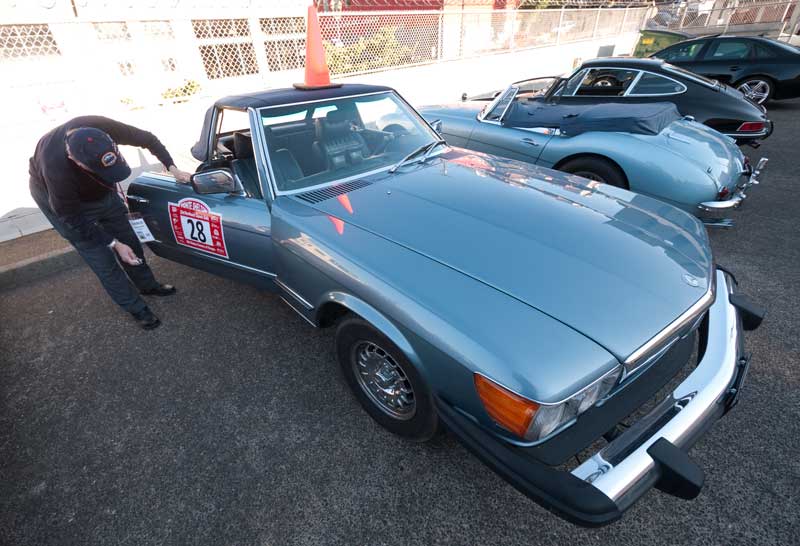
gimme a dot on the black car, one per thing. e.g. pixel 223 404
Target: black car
pixel 632 80
pixel 761 68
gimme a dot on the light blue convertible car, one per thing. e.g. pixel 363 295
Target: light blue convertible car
pixel 528 311
pixel 646 148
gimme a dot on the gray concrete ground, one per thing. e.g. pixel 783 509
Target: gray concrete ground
pixel 232 425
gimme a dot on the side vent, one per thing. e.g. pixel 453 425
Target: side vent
pixel 323 194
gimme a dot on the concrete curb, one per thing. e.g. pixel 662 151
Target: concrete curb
pixel 29 270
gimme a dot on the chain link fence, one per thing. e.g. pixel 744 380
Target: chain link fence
pixel 754 16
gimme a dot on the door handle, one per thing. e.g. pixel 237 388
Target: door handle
pixel 530 142
pixel 735 67
pixel 137 199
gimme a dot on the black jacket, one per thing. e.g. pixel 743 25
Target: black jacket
pixel 66 185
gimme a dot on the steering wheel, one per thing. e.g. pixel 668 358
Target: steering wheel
pixel 396 129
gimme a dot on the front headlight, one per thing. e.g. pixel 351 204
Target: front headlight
pixel 535 420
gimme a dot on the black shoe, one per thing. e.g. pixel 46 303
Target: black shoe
pixel 147 319
pixel 160 290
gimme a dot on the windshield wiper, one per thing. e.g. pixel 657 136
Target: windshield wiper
pixel 427 148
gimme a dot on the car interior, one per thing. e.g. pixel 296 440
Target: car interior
pixel 315 145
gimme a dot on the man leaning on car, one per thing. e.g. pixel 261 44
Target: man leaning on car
pixel 74 176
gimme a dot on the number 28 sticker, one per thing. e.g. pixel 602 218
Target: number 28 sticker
pixel 195 226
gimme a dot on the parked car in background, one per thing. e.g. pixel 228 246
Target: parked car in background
pixel 647 148
pixel 635 81
pixel 761 68
pixel 528 311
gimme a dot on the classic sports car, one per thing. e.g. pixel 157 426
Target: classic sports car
pixel 634 81
pixel 761 68
pixel 646 148
pixel 527 310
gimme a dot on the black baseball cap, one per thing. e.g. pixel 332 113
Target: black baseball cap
pixel 98 153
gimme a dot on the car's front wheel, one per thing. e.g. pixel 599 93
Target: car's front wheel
pixel 758 89
pixel 384 381
pixel 596 168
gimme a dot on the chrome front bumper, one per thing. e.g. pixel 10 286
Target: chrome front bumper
pixel 738 196
pixel 703 397
pixel 653 451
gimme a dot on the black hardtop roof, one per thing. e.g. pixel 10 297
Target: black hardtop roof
pixel 632 62
pixel 290 95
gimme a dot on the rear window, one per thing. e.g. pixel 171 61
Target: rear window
pixel 653 84
pixel 690 75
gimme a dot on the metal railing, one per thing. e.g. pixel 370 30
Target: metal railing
pixel 753 16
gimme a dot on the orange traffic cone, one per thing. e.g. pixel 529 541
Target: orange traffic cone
pixel 317 75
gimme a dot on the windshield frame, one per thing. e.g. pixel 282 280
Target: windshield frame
pixel 262 142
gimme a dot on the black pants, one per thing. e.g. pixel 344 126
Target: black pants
pixel 110 214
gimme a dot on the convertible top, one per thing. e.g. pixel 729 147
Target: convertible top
pixel 643 119
pixel 276 97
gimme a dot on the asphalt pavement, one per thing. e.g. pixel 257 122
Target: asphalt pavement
pixel 231 423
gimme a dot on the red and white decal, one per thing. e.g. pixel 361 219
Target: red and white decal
pixel 195 226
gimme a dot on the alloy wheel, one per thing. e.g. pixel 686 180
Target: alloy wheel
pixel 757 91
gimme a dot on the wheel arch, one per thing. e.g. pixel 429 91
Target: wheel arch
pixel 338 304
pixel 580 155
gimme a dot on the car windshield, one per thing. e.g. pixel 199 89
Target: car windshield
pixel 316 143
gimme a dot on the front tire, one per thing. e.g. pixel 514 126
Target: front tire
pixel 596 168
pixel 384 381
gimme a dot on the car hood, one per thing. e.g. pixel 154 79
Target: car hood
pixel 615 266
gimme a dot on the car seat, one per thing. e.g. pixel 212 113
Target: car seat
pixel 244 164
pixel 338 145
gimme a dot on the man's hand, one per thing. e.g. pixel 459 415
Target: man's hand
pixel 182 177
pixel 126 254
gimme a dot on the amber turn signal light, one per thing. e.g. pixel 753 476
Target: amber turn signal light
pixel 509 410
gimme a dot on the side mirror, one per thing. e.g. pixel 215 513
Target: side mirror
pixel 464 96
pixel 216 181
pixel 437 125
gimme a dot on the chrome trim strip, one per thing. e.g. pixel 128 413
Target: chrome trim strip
pixel 653 343
pixel 296 310
pixel 259 151
pixel 697 401
pixel 235 264
pixel 300 299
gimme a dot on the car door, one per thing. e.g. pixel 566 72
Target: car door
pixel 218 232
pixel 492 137
pixel 726 60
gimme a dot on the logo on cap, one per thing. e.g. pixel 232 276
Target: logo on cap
pixel 108 159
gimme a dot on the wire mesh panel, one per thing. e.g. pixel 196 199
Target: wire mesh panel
pixel 770 15
pixel 361 42
pixel 609 22
pixel 536 28
pixel 26 41
pixel 226 47
pixel 284 42
pixel 577 24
